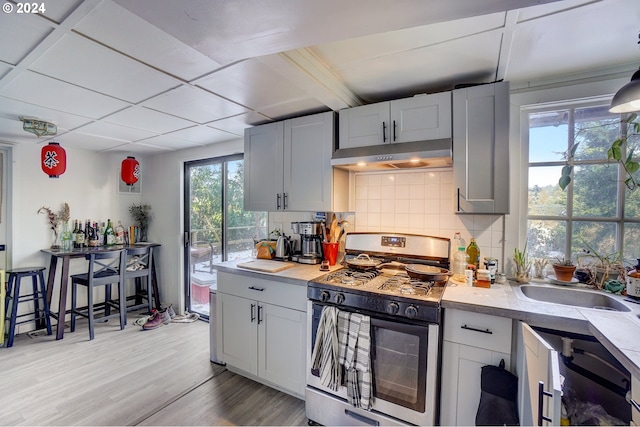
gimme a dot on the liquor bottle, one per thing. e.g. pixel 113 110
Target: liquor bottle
pixel 109 235
pixel 80 236
pixel 93 236
pixel 119 234
pixel 87 231
pixel 473 252
pixel 74 233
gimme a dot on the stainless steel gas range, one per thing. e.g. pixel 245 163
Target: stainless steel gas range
pixel 404 334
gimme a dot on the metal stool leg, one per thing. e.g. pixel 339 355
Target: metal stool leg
pixel 14 286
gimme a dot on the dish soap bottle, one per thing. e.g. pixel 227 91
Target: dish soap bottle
pixel 473 252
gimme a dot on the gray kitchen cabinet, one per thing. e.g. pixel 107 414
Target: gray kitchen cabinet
pixel 262 330
pixel 287 166
pixel 481 149
pixel 420 118
pixel 471 341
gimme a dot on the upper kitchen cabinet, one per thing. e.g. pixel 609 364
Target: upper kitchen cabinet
pixel 481 149
pixel 288 166
pixel 423 117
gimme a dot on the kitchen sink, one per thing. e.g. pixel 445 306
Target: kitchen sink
pixel 573 297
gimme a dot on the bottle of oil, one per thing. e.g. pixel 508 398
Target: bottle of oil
pixel 473 252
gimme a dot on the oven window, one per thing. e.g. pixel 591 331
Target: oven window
pixel 399 356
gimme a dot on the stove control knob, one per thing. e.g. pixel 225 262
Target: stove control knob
pixel 324 296
pixel 339 298
pixel 393 308
pixel 411 312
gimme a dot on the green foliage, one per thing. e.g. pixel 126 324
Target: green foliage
pixel 563 261
pixel 141 214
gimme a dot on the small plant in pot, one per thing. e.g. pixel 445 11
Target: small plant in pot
pixel 523 265
pixel 564 269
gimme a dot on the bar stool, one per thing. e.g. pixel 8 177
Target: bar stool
pixel 40 313
pixel 139 266
pixel 105 268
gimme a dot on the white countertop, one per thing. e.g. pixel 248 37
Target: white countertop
pixel 619 332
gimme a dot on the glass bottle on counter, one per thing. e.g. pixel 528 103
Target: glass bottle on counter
pixel 473 252
pixel 74 232
pixel 109 235
pixel 93 236
pixel 119 233
pixel 80 238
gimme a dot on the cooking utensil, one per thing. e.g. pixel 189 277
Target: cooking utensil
pixel 363 262
pixel 333 229
pixel 427 273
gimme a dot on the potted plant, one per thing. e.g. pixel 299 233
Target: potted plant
pixel 523 265
pixel 564 269
pixel 601 267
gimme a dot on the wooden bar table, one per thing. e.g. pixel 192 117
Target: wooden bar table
pixel 66 256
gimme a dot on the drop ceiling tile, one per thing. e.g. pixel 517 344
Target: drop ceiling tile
pixel 139 39
pixel 547 46
pixel 237 124
pixel 12 109
pixel 84 63
pixel 195 104
pixel 88 142
pixel 251 84
pixel 58 10
pixel 137 148
pixel 25 34
pixel 150 120
pixel 113 131
pixel 169 142
pixel 202 135
pixel 33 88
pixel 293 107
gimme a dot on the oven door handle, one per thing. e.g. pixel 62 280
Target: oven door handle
pixel 361 418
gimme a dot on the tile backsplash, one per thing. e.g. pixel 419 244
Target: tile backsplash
pixel 417 202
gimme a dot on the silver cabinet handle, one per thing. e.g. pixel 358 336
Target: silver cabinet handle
pixel 278 201
pixel 259 314
pixel 253 312
pixel 285 201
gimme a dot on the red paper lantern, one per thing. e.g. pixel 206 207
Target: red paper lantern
pixel 130 170
pixel 53 160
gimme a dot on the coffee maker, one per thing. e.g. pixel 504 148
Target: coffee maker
pixel 310 242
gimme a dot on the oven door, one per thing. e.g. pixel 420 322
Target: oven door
pixel 404 359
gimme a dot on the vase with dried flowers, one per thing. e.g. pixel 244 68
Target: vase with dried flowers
pixel 142 216
pixel 56 221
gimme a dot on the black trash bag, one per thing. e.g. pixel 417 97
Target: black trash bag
pixel 498 398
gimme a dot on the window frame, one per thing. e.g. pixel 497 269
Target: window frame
pixel 619 220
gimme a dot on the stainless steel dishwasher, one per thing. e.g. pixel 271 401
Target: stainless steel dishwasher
pixel 213 289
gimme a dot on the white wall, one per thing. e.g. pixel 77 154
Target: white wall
pixel 89 186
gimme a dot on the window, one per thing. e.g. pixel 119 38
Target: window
pixel 596 211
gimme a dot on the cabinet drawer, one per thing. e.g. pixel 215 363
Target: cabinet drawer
pixel 478 330
pixel 269 291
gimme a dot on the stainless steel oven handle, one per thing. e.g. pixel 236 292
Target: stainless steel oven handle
pixel 361 418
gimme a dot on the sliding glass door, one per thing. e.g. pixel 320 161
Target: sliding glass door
pixel 217 226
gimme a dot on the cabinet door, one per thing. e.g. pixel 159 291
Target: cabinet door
pixel 635 401
pixel 481 148
pixel 461 375
pixel 238 317
pixel 421 118
pixel 282 347
pixel 539 381
pixel 308 145
pixel 263 163
pixel 364 126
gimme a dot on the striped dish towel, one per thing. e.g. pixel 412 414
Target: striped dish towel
pixel 324 359
pixel 354 341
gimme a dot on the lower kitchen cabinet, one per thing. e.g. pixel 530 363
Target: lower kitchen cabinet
pixel 264 340
pixel 471 341
pixel 635 401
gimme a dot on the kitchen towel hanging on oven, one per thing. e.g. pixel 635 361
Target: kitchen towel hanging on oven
pixel 324 359
pixel 354 340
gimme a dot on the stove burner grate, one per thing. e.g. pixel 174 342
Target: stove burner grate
pixel 351 277
pixel 404 285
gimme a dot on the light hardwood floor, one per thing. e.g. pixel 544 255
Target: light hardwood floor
pixel 132 377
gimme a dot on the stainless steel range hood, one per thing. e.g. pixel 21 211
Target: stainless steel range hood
pixel 408 155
